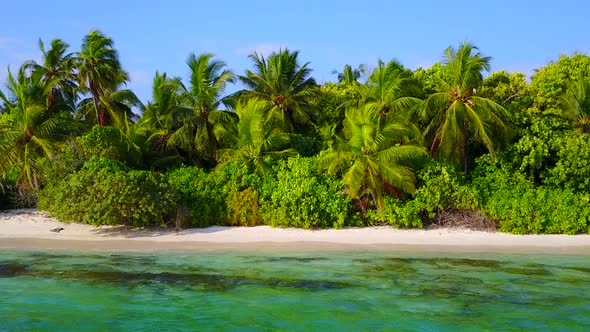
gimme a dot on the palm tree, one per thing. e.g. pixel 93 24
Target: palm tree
pixel 456 113
pixel 392 87
pixel 372 154
pixel 576 104
pixel 284 85
pixel 349 75
pixel 163 115
pixel 201 101
pixel 252 138
pixel 57 66
pixel 99 71
pixel 117 107
pixel 29 132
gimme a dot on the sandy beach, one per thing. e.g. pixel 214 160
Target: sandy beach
pixel 31 229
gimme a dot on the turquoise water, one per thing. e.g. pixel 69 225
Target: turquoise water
pixel 91 291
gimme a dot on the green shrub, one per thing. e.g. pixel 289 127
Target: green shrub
pixel 572 169
pixel 244 209
pixel 103 192
pixel 440 187
pixel 549 154
pixel 398 213
pixel 108 142
pixel 201 194
pixel 227 196
pixel 522 208
pixel 69 160
pixel 295 195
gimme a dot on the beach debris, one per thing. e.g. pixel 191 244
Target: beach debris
pixel 463 219
pixel 57 229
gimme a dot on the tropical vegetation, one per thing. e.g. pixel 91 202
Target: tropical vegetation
pixel 382 145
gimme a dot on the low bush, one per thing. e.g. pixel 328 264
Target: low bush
pixel 522 208
pixel 103 192
pixel 244 209
pixel 294 194
pixel 227 196
pixel 201 194
pixel 441 187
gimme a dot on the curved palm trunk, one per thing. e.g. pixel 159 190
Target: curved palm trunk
pixel 100 117
pixel 433 145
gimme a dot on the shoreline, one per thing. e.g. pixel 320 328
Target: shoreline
pixel 30 230
pixel 33 244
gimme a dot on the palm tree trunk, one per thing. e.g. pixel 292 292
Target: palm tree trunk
pixel 51 98
pixel 464 154
pixel 377 205
pixel 433 145
pixel 212 148
pixel 96 99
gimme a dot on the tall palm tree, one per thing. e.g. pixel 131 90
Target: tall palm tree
pixel 29 132
pixel 349 75
pixel 392 87
pixel 99 71
pixel 202 98
pixel 576 104
pixel 372 154
pixel 57 66
pixel 164 114
pixel 252 137
pixel 456 113
pixel 284 85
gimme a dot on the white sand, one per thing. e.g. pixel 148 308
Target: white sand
pixel 30 229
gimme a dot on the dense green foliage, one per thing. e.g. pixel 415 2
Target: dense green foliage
pixel 384 145
pixel 295 195
pixel 104 192
pixel 442 187
pixel 551 82
pixel 227 196
pixel 521 208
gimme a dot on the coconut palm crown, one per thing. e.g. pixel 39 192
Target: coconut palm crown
pixel 456 114
pixel 99 71
pixel 284 85
pixel 372 154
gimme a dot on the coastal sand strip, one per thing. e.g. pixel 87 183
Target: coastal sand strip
pixel 30 229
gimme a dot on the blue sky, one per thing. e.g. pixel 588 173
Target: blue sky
pixel 150 36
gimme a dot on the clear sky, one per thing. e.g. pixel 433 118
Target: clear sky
pixel 159 35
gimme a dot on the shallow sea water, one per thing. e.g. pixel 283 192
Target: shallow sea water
pixel 257 291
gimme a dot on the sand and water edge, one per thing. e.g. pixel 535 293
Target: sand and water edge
pixel 28 229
